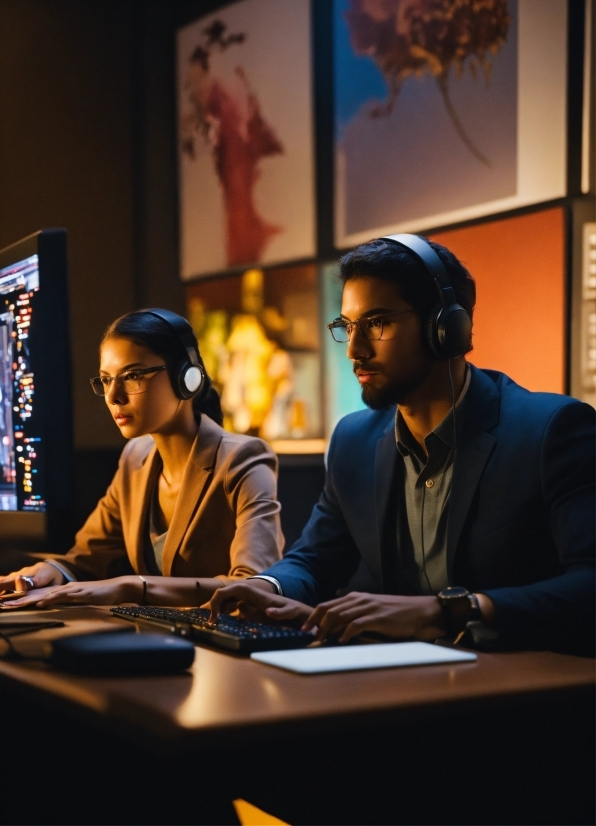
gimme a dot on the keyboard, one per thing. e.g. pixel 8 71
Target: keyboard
pixel 228 632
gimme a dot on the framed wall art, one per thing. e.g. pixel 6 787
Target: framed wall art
pixel 446 111
pixel 245 137
pixel 260 339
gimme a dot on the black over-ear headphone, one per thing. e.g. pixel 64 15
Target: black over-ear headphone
pixel 449 327
pixel 187 375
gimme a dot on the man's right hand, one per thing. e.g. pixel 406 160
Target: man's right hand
pixel 40 574
pixel 255 600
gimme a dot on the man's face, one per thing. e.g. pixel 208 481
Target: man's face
pixel 390 368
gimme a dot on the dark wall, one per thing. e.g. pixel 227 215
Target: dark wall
pixel 86 143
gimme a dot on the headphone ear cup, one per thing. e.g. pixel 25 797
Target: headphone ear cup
pixel 449 331
pixel 432 338
pixel 453 331
pixel 191 381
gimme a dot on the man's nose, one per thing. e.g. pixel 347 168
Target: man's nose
pixel 359 347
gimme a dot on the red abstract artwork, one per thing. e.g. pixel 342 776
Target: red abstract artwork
pixel 231 121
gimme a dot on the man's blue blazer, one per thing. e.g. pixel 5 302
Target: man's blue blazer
pixel 521 512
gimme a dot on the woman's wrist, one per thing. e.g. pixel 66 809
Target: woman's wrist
pixel 131 589
pixel 205 588
pixel 56 573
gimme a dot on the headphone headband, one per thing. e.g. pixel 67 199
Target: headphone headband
pixel 188 376
pixel 426 254
pixel 449 330
pixel 182 329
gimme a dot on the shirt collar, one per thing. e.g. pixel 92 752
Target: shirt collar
pixel 407 444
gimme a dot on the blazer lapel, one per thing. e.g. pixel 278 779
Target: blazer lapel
pixel 198 470
pixel 143 482
pixel 385 503
pixel 473 449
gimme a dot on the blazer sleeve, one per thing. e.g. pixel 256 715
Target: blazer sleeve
pixel 558 613
pixel 251 491
pixel 325 556
pixel 99 551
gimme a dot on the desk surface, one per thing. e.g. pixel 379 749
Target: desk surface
pixel 224 693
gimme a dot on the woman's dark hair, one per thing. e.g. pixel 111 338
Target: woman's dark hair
pixel 387 260
pixel 147 330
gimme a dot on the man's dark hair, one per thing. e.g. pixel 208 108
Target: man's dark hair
pixel 391 262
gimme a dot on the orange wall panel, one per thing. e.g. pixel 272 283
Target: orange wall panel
pixel 519 320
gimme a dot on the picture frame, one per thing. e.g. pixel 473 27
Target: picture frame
pixel 245 137
pixel 436 138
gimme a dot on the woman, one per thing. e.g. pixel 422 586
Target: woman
pixel 191 506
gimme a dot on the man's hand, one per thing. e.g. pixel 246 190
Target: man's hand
pixel 255 600
pixel 420 618
pixel 41 574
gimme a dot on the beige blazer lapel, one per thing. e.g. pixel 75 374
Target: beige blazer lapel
pixel 196 475
pixel 142 483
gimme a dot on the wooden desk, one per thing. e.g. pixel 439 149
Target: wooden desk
pixel 504 740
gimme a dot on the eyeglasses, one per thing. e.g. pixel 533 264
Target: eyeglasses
pixel 131 381
pixel 371 328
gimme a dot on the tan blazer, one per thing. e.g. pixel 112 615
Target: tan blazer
pixel 225 524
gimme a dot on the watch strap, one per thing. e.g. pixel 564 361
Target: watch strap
pixel 474 614
pixel 459 610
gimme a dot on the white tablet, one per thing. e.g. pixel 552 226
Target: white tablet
pixel 358 657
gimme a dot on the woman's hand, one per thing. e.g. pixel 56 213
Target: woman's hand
pixel 102 592
pixel 34 576
pixel 420 618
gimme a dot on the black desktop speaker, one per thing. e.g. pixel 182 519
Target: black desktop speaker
pixel 188 375
pixel 449 327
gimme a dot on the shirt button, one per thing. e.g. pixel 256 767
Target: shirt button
pixel 429 483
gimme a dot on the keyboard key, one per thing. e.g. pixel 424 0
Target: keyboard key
pixel 228 632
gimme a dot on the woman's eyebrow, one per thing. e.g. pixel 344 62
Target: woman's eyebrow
pixel 374 311
pixel 124 369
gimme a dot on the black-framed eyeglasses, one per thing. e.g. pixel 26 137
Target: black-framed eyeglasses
pixel 131 381
pixel 371 328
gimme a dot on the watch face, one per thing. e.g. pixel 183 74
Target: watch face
pixel 453 592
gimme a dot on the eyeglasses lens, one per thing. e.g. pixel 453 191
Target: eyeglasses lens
pixel 339 333
pixel 130 383
pixel 372 329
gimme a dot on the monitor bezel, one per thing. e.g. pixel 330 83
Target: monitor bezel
pixel 52 528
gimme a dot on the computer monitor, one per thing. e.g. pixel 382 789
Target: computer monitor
pixel 36 450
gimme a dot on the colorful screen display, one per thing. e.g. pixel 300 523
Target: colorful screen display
pixel 21 445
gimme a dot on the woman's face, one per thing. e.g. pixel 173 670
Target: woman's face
pixel 155 409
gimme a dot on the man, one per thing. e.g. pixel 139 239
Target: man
pixel 454 477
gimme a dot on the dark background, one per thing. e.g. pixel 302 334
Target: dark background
pixel 87 142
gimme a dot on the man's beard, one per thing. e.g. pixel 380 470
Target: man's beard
pixel 382 398
pixel 379 398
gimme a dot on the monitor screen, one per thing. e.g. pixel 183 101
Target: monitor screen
pixel 35 392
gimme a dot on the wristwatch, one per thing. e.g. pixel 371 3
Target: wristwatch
pixel 459 608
